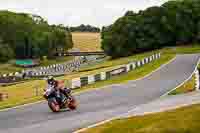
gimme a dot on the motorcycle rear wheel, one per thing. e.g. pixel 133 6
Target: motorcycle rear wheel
pixel 53 105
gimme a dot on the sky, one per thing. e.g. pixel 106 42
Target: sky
pixel 76 12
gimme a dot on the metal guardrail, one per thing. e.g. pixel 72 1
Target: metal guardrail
pixel 80 53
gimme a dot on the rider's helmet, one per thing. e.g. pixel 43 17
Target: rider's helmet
pixel 51 80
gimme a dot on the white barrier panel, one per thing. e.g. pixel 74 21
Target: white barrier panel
pixel 150 58
pixel 133 65
pixel 76 83
pixel 138 64
pixel 91 79
pixel 103 75
pixel 147 60
pixel 128 67
pixel 16 73
pixel 143 61
pixel 197 79
pixel 157 56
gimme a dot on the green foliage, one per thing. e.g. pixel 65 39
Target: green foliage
pixel 173 23
pixel 30 36
pixel 84 28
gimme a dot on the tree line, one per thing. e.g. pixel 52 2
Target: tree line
pixel 30 36
pixel 171 24
pixel 84 28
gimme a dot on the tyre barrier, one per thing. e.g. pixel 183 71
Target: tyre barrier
pixel 122 69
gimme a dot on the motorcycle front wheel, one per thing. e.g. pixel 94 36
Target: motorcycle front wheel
pixel 72 103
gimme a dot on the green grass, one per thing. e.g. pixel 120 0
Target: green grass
pixel 189 86
pixel 182 120
pixel 195 48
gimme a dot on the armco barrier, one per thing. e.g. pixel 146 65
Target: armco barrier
pixel 82 81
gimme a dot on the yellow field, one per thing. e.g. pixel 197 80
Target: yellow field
pixel 87 41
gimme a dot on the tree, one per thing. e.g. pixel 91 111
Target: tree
pixel 85 28
pixel 171 24
pixel 30 36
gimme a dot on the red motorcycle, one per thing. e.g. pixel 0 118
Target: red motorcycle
pixel 56 101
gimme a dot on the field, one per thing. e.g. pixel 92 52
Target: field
pixel 183 120
pixel 87 41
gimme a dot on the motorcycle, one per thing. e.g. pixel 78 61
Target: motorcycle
pixel 56 101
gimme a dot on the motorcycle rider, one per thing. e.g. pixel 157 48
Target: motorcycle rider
pixel 58 86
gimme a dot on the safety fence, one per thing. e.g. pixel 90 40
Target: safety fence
pixel 82 81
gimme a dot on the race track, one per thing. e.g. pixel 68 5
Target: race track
pixel 101 104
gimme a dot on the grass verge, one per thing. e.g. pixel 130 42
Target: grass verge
pixel 182 120
pixel 189 86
